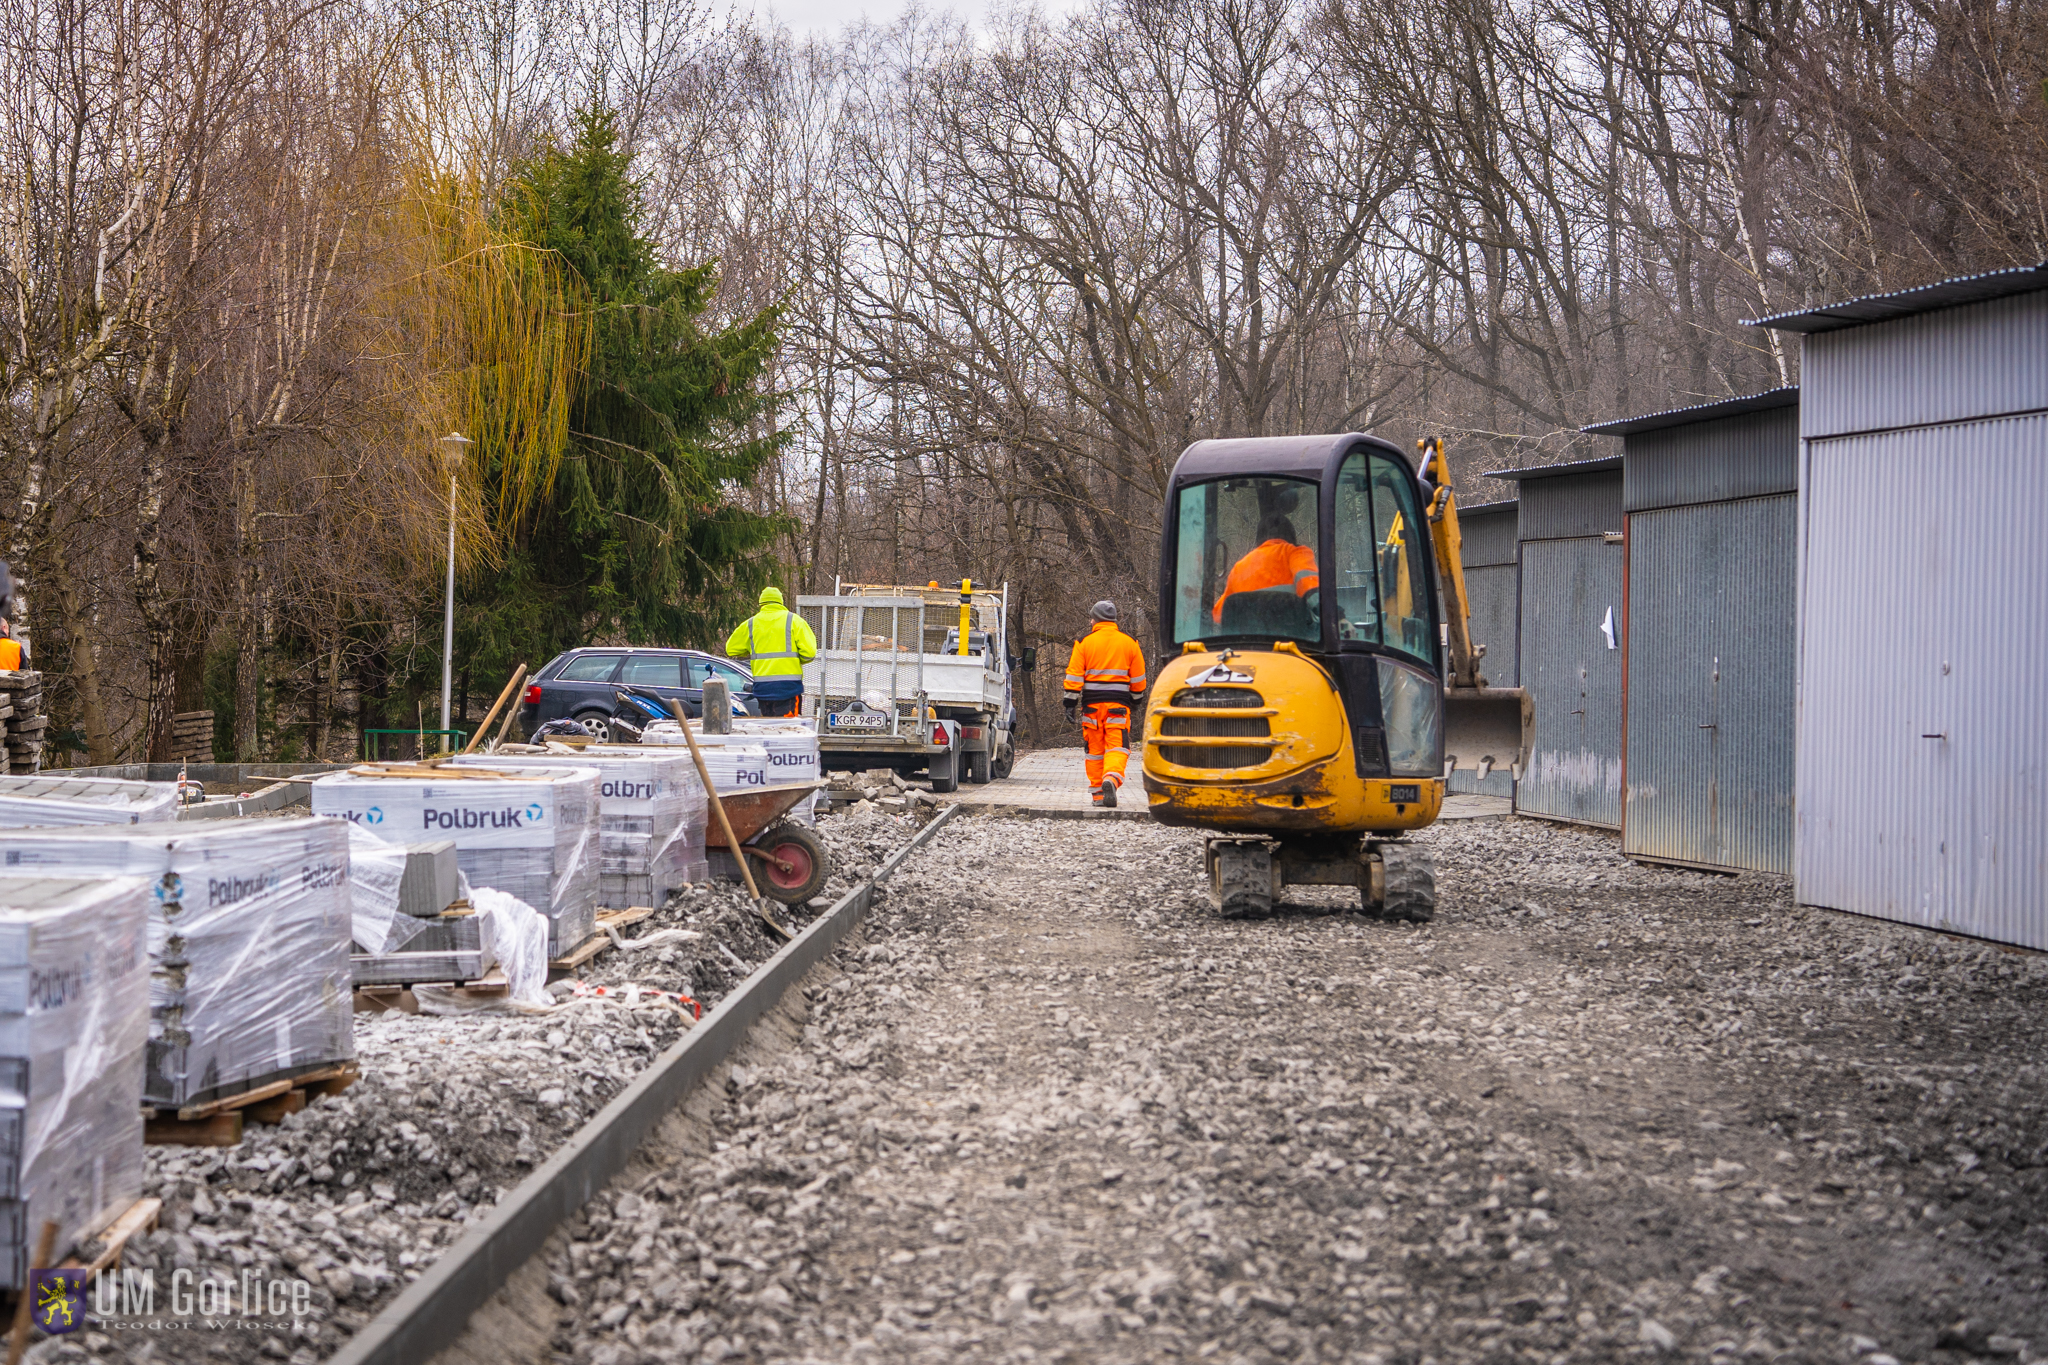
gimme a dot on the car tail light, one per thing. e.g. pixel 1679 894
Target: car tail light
pixel 532 697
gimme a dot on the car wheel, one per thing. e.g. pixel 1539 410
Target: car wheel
pixel 600 726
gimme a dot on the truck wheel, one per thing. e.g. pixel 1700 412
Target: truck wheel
pixel 944 771
pixel 803 858
pixel 977 767
pixel 1005 763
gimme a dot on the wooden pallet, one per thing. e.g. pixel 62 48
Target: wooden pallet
pixel 600 941
pixel 113 1239
pixel 218 1123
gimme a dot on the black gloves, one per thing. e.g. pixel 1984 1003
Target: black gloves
pixel 1073 705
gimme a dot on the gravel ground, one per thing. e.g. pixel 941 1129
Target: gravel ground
pixel 361 1191
pixel 1052 1109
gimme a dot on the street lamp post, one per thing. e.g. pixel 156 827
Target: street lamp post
pixel 454 445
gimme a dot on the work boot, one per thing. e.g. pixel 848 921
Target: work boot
pixel 1107 799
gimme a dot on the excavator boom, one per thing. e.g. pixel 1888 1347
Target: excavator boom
pixel 1484 727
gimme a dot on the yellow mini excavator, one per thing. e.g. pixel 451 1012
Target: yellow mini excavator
pixel 1321 681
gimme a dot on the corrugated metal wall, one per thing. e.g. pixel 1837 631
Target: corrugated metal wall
pixel 1571 587
pixel 1571 505
pixel 1980 360
pixel 1924 612
pixel 1493 582
pixel 1744 456
pixel 1711 656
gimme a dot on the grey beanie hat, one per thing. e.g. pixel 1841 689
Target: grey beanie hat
pixel 1102 611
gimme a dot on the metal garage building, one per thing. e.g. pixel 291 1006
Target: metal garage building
pixel 1710 494
pixel 1493 582
pixel 1570 543
pixel 1923 606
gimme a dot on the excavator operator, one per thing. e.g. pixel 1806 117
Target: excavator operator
pixel 1105 678
pixel 1275 562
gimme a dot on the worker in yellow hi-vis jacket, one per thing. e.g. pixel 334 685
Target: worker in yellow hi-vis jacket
pixel 776 643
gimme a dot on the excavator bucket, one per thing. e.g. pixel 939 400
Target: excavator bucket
pixel 1487 728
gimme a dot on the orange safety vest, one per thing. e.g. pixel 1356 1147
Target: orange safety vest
pixel 1275 564
pixel 10 652
pixel 1106 665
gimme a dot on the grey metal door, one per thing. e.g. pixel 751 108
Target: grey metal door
pixel 1923 740
pixel 1712 595
pixel 1571 664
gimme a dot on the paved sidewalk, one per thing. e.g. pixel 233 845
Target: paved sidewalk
pixel 1053 782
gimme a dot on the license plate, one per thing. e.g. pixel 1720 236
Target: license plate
pixel 857 720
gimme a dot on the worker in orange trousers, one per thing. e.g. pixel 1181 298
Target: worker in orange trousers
pixel 1105 679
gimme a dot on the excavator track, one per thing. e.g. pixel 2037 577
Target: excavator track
pixel 1410 883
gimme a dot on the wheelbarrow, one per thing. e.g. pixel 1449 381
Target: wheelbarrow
pixel 790 862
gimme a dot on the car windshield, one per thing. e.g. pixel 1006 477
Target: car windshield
pixel 1246 562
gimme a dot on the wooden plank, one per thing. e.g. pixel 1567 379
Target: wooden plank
pixel 226 1102
pixel 590 948
pixel 274 1110
pixel 140 1217
pixel 619 919
pixel 332 1081
pixel 221 1130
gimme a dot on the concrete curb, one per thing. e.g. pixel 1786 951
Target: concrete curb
pixel 434 1310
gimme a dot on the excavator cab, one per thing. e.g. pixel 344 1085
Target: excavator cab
pixel 1302 711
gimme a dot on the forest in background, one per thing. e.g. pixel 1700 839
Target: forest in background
pixel 719 307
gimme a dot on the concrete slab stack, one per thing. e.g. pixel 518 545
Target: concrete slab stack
pixel 74 1021
pixel 530 831
pixel 47 799
pixel 248 944
pixel 651 811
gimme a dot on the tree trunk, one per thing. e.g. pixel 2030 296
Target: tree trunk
pixel 248 612
pixel 85 668
pixel 159 635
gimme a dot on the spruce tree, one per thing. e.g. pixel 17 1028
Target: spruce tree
pixel 638 538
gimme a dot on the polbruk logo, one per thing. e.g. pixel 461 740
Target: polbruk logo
pixel 374 816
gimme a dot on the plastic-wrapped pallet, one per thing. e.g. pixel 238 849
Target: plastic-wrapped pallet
pixel 48 800
pixel 793 753
pixel 530 832
pixel 74 1018
pixel 651 808
pixel 249 932
pixel 738 763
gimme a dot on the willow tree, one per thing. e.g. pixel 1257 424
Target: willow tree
pixel 637 536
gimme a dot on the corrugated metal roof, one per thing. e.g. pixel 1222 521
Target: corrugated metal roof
pixel 1487 508
pixel 1552 471
pixel 1787 397
pixel 1831 317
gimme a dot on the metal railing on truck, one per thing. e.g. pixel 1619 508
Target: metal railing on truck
pixel 868 644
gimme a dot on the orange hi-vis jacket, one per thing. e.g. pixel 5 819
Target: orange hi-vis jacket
pixel 1106 665
pixel 1275 564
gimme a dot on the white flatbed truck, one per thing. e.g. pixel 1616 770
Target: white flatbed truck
pixel 891 687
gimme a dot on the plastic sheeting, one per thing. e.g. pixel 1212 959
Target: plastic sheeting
pixel 528 831
pixel 376 871
pixel 49 800
pixel 248 943
pixel 74 1020
pixel 651 811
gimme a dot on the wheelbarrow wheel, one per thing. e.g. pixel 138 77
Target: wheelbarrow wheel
pixel 794 870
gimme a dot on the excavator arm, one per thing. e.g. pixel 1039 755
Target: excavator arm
pixel 1484 727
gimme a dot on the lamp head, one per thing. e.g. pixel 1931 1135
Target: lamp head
pixel 454 447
